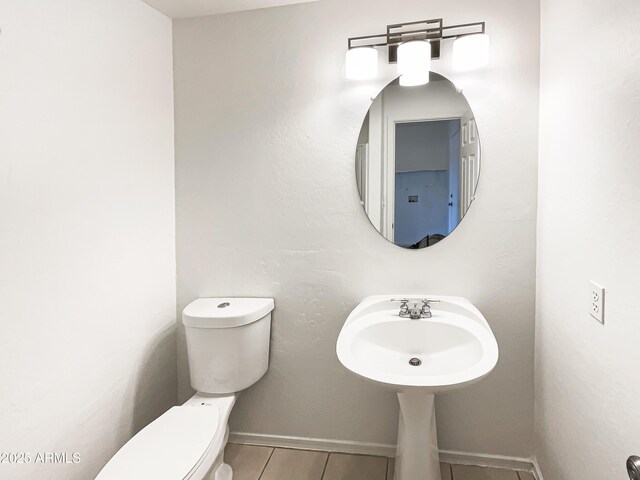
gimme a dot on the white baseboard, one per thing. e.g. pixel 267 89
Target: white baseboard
pixel 319 444
pixel 487 460
pixel 383 450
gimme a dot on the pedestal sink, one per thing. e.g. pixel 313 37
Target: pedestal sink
pixel 417 358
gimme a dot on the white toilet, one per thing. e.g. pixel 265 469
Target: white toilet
pixel 228 348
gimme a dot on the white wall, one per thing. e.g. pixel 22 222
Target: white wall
pixel 267 205
pixel 87 265
pixel 423 146
pixel 587 380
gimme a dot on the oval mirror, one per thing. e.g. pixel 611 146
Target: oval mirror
pixel 418 162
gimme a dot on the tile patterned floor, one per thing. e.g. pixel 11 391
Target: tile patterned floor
pixel 267 463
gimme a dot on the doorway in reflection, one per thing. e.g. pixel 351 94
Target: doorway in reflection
pixel 427 181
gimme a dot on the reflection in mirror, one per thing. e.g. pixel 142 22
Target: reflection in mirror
pixel 418 162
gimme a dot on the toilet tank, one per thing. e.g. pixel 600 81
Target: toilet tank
pixel 227 342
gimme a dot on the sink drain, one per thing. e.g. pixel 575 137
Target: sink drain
pixel 415 362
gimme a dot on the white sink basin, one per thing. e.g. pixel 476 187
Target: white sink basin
pixel 456 346
pixel 418 358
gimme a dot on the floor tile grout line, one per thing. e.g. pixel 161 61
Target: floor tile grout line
pixel 386 470
pixel 451 470
pixel 325 466
pixel 268 460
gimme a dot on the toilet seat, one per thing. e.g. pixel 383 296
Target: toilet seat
pixel 170 448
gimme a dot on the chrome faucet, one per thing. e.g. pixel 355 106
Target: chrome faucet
pixel 415 312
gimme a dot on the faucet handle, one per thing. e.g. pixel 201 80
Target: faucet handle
pixel 427 301
pixel 403 302
pixel 426 307
pixel 404 308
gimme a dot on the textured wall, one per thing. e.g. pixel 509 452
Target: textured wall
pixel 587 377
pixel 266 129
pixel 87 262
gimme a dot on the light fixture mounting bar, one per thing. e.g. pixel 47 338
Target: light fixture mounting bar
pixel 432 30
pixel 467 29
pixel 367 41
pixel 403 32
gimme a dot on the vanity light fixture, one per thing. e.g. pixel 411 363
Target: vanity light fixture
pixel 362 63
pixel 471 52
pixel 414 62
pixel 412 45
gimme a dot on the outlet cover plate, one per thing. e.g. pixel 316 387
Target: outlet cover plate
pixel 596 302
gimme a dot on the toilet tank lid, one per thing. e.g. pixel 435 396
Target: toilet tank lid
pixel 225 312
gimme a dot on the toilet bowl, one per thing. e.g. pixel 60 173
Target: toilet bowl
pixel 228 350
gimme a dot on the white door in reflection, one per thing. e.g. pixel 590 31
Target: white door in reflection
pixel 469 162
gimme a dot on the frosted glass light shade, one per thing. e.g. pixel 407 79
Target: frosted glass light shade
pixel 471 52
pixel 362 63
pixel 414 79
pixel 414 63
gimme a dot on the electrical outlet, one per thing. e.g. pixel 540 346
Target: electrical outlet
pixel 596 302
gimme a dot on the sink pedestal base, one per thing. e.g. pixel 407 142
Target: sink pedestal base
pixel 417 451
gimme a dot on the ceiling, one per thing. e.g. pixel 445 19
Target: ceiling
pixel 200 8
